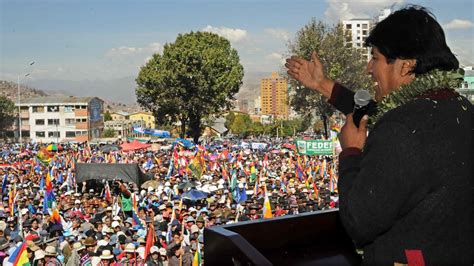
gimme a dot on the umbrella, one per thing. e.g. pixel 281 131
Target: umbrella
pixel 54 147
pixel 190 184
pixel 109 147
pixel 194 195
pixel 151 183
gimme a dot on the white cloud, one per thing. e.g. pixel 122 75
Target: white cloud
pixel 276 57
pixel 124 51
pixel 233 35
pixel 459 24
pixel 347 9
pixel 278 33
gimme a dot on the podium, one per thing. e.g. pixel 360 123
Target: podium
pixel 315 238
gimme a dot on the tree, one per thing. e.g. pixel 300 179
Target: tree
pixel 107 116
pixel 341 61
pixel 229 120
pixel 108 133
pixel 241 124
pixel 195 77
pixel 7 114
pixel 257 128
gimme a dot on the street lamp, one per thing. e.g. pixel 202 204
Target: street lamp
pixel 19 101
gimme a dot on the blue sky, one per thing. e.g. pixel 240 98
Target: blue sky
pixel 102 39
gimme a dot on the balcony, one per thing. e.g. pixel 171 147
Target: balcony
pixel 316 238
pixel 82 125
pixel 25 127
pixel 24 115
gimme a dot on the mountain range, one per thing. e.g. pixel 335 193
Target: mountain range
pixel 122 90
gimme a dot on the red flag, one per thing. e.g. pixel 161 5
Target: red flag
pixel 150 240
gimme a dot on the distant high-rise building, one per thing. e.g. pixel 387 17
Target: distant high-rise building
pixel 359 30
pixel 274 96
pixel 257 105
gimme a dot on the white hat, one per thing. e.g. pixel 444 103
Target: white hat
pixel 141 252
pixel 24 211
pixel 154 249
pixel 50 251
pixel 108 209
pixel 129 248
pixel 221 181
pixel 162 252
pixel 106 255
pixel 102 243
pixel 39 254
pixel 115 224
pixel 167 184
pixel 77 202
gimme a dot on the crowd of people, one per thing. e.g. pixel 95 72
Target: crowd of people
pixel 47 218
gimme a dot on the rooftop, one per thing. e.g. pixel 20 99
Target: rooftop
pixel 57 100
pixel 122 113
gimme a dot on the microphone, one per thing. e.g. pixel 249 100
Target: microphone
pixel 361 105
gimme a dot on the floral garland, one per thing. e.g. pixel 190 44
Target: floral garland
pixel 431 81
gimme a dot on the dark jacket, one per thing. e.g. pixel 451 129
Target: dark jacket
pixel 411 187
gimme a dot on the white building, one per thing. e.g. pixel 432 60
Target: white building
pixel 56 119
pixel 124 128
pixel 358 30
pixel 257 105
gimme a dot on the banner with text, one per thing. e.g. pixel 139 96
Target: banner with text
pixel 315 147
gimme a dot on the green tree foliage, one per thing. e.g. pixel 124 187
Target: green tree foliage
pixel 241 124
pixel 108 133
pixel 195 77
pixel 342 63
pixel 229 120
pixel 7 114
pixel 107 116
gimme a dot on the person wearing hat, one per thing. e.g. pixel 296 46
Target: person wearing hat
pixel 31 248
pixel 50 255
pixel 39 258
pixel 253 215
pixel 130 255
pixel 155 258
pixel 90 242
pixel 107 258
pixel 4 245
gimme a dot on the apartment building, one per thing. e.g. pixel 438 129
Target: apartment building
pixel 274 96
pixel 56 119
pixel 358 30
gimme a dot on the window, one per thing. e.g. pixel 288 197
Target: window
pixel 52 109
pixel 39 122
pixel 358 25
pixel 53 122
pixel 68 109
pixel 70 134
pixel 54 134
pixel 365 26
pixel 38 109
pixel 364 32
pixel 81 120
pixel 40 134
pixel 70 121
pixel 80 106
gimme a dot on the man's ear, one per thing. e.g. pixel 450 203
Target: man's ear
pixel 407 66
